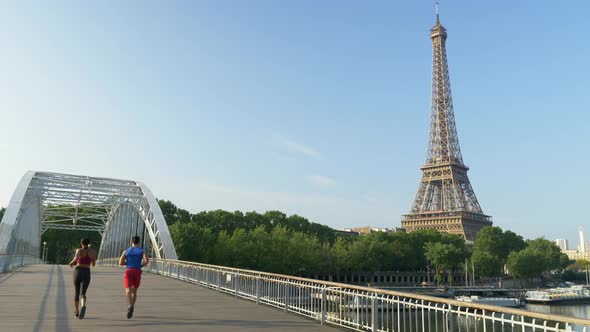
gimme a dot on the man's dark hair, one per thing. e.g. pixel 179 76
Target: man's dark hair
pixel 136 239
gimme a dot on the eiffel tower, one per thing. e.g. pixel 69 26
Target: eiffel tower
pixel 445 199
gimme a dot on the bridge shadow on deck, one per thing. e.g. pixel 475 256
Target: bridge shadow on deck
pixel 39 298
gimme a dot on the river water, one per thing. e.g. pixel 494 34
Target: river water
pixel 571 310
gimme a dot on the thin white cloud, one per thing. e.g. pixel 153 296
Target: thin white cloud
pixel 321 180
pixel 369 198
pixel 298 147
pixel 333 210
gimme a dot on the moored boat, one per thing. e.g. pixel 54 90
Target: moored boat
pixel 511 302
pixel 558 295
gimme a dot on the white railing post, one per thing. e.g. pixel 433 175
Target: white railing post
pixel 324 305
pixel 450 318
pixel 423 323
pixel 286 296
pixel 258 289
pixel 374 312
pixel 236 280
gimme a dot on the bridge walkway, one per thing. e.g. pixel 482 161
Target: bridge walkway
pixel 40 298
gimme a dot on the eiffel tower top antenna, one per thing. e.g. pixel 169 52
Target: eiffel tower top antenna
pixel 437 16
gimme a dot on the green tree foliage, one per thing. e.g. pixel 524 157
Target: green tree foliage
pixel 276 247
pixel 280 250
pixel 339 254
pixel 279 243
pixel 193 243
pixel 511 242
pixel 417 242
pixel 525 264
pixel 293 252
pixel 172 213
pixel 540 255
pixel 486 263
pixel 387 251
pixel 445 256
pixel 62 244
pixel 370 253
pixel 491 250
pixel 549 251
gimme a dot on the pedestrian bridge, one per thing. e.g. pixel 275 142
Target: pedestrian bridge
pixel 188 296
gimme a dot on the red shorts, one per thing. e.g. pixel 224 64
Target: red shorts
pixel 132 278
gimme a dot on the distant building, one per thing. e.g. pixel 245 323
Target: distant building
pixel 367 230
pixel 582 247
pixel 576 255
pixel 346 232
pixel 582 251
pixel 562 244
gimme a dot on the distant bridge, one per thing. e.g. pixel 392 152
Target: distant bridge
pixel 37 297
pixel 118 209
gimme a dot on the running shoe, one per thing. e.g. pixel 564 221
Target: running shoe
pixel 130 312
pixel 82 312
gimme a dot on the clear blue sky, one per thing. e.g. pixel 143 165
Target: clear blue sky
pixel 319 108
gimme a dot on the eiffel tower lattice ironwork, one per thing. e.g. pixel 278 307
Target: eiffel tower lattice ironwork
pixel 445 199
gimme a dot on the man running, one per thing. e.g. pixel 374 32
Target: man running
pixel 134 258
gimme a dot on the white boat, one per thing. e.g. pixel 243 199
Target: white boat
pixel 559 295
pixel 366 304
pixel 498 301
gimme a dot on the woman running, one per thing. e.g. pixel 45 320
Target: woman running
pixel 84 257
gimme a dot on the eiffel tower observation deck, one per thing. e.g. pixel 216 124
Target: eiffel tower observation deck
pixel 445 199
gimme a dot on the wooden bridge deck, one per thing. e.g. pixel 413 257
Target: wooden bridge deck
pixel 40 298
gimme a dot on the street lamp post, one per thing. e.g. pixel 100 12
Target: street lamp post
pixel 44 256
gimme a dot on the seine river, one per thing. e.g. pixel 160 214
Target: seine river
pixel 572 310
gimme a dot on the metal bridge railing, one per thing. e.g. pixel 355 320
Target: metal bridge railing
pixel 9 262
pixel 360 308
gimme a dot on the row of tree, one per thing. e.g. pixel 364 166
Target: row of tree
pixel 493 249
pixel 274 242
pixel 281 250
pixel 288 251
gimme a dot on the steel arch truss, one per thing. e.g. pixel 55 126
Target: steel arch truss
pixel 118 209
